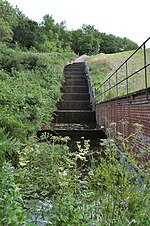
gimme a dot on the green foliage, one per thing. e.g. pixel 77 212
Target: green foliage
pixel 50 36
pixel 48 25
pixel 47 46
pixel 90 41
pixel 6 33
pixel 29 89
pixel 7 13
pixel 11 203
pixel 111 192
pixel 56 36
pixel 122 195
pixel 86 40
pixel 40 164
pixel 8 19
pixel 113 44
pixel 84 190
pixel 75 187
pixel 27 33
pixel 8 148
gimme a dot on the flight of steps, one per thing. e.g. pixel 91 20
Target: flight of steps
pixel 75 106
pixel 75 117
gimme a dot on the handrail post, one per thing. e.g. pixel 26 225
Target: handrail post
pixel 109 87
pixel 145 70
pixel 127 82
pixel 117 84
pixel 104 90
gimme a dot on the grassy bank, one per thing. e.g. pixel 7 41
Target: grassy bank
pixel 103 65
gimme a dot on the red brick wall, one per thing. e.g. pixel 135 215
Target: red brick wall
pixel 135 109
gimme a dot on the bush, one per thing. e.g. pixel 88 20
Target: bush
pixel 29 88
pixel 38 171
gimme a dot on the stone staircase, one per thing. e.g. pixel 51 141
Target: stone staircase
pixel 75 117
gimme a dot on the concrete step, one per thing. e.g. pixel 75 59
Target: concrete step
pixel 74 89
pixel 76 131
pixel 75 66
pixel 75 76
pixel 74 105
pixel 76 96
pixel 74 72
pixel 75 82
pixel 74 116
pixel 73 69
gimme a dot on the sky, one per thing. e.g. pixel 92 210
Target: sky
pixel 123 18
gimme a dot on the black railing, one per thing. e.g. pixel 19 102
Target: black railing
pixel 115 86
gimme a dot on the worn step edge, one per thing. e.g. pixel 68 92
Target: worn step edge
pixel 76 96
pixel 74 89
pixel 74 105
pixel 75 116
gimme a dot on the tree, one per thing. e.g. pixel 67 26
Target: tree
pixel 108 43
pixel 8 19
pixel 55 33
pixel 85 40
pixel 6 33
pixel 49 28
pixel 76 41
pixel 128 45
pixel 27 33
pixel 7 13
pixel 89 29
pixel 64 36
pixel 52 36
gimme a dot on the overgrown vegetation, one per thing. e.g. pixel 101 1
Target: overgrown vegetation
pixel 103 65
pixel 29 88
pixel 107 190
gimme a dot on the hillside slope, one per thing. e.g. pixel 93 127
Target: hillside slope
pixel 103 65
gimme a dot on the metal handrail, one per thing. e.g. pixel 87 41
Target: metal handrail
pixel 115 73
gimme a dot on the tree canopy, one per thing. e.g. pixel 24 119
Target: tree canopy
pixel 49 36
